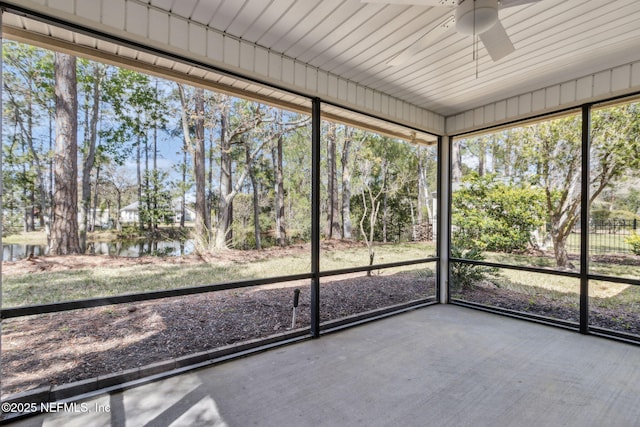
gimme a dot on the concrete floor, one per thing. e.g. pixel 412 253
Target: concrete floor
pixel 438 366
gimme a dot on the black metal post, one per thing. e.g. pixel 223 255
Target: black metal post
pixel 1 180
pixel 315 217
pixel 439 224
pixel 584 221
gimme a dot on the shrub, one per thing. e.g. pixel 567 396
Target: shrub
pixel 466 275
pixel 602 214
pixel 496 216
pixel 634 241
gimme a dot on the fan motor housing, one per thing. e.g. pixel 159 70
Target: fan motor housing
pixel 476 16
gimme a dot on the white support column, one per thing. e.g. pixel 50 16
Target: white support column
pixel 443 215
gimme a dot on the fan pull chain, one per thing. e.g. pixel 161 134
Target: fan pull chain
pixel 474 31
pixel 476 54
pixel 475 39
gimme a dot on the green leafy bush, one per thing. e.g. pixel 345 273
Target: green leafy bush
pixel 603 214
pixel 634 241
pixel 496 216
pixel 466 275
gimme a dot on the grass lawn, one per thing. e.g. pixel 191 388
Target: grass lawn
pixel 356 256
pixel 39 237
pixel 597 266
pixel 601 243
pixel 22 238
pixel 154 273
pixel 566 289
pixel 118 276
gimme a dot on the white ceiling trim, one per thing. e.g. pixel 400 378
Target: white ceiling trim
pixel 592 88
pixel 15 28
pixel 338 50
pixel 152 26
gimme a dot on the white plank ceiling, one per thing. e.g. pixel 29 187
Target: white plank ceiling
pixel 567 52
pixel 555 41
pixel 32 31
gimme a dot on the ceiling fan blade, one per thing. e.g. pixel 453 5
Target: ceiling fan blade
pixel 423 42
pixel 511 3
pixel 431 3
pixel 497 42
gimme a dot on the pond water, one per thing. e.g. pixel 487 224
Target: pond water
pixel 13 252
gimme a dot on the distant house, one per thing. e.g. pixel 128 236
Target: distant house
pixel 130 213
pixel 189 214
pixel 101 216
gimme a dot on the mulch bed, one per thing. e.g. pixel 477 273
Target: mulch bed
pixel 65 347
pixel 617 318
pixel 70 346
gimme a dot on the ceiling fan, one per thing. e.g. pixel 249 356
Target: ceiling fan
pixel 474 17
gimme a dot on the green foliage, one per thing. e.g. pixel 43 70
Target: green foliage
pixel 616 141
pixel 140 122
pixel 548 154
pixel 155 206
pixel 601 214
pixel 388 168
pixel 466 275
pixel 634 242
pixel 491 215
pixel 629 201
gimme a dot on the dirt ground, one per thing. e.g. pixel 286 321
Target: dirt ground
pixel 60 263
pixel 70 346
pixel 57 263
pixel 614 317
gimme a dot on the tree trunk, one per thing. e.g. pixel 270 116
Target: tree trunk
pixel 414 236
pixel 281 232
pixel 346 184
pixel 196 147
pixel 256 198
pixel 64 228
pixel 147 187
pixel 32 207
pixel 187 143
pixel 118 207
pixel 333 226
pixel 507 155
pixel 139 181
pixel 559 249
pixel 373 215
pixel 225 208
pixel 89 155
pixel 47 223
pixel 495 153
pixel 27 131
pixel 456 163
pixel 94 209
pixel 423 191
pixel 154 183
pixel 222 231
pixel 28 210
pixel 482 155
pixel 203 221
pixel 228 191
pixel 384 201
pixel 37 162
pixel 211 166
pixel 183 195
pixel 385 218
